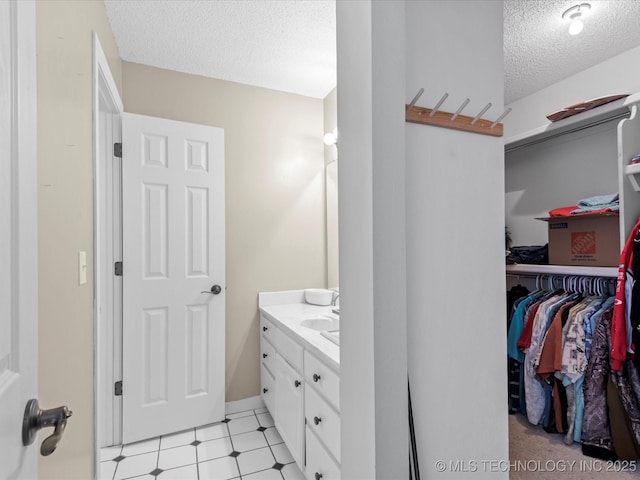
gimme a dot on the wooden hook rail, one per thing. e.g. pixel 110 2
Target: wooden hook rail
pixel 455 121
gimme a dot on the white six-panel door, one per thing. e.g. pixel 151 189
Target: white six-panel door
pixel 173 254
pixel 18 236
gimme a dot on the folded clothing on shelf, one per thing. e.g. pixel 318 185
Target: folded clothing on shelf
pixel 531 254
pixel 596 204
pixel 599 202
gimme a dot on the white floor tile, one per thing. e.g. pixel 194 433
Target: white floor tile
pixel 109 453
pixel 265 420
pixel 177 439
pixel 220 447
pixel 242 425
pixel 177 457
pixel 190 472
pixel 210 432
pixel 273 437
pixel 260 410
pixel 255 460
pixel 107 469
pixel 245 413
pixel 270 474
pixel 145 446
pixel 292 472
pixel 179 460
pixel 136 465
pixel 218 469
pixel 248 441
pixel 281 452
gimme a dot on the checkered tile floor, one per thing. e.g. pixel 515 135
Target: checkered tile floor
pixel 245 445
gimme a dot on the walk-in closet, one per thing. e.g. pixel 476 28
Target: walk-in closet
pixel 552 368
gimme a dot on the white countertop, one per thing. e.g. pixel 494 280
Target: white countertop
pixel 288 316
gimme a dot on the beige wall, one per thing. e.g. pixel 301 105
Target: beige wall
pixel 330 157
pixel 275 212
pixel 65 220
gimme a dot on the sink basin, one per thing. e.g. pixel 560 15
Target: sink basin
pixel 322 322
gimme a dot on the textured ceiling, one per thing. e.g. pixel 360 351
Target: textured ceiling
pixel 290 45
pixel 278 44
pixel 538 51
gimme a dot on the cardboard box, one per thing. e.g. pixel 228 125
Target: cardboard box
pixel 584 240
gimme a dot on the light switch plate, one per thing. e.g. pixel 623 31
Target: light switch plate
pixel 82 268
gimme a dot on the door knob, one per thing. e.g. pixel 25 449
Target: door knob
pixel 215 290
pixel 34 419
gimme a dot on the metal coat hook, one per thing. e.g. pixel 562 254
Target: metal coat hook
pixel 455 115
pixel 482 112
pixel 441 118
pixel 504 114
pixel 435 109
pixel 415 99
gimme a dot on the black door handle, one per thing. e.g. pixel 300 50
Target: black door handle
pixel 215 290
pixel 34 419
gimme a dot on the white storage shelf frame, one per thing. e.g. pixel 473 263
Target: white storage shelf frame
pixel 628 145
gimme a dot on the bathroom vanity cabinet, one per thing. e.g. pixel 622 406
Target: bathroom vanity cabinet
pixel 300 383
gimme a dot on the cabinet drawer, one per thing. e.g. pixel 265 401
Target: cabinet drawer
pixel 319 462
pixel 268 390
pixel 289 350
pixel 323 421
pixel 326 380
pixel 267 329
pixel 267 355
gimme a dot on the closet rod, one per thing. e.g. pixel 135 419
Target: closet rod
pixel 533 276
pixel 618 116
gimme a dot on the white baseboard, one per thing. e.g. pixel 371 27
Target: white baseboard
pixel 244 404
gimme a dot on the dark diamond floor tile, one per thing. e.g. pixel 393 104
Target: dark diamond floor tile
pixel 119 458
pixel 234 454
pixel 226 420
pixel 278 466
pixel 261 429
pixel 195 443
pixel 156 472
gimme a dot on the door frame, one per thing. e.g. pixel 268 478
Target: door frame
pixel 107 315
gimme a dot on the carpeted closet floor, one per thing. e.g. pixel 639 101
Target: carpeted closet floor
pixel 535 454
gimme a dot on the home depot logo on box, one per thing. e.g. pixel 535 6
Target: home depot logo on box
pixel 583 243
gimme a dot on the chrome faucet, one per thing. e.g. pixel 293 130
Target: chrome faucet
pixel 335 299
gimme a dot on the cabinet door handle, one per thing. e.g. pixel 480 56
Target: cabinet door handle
pixel 264 355
pixel 317 420
pixel 265 390
pixel 297 383
pixel 318 476
pixel 264 329
pixel 316 377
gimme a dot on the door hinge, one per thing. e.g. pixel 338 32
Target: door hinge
pixel 117 150
pixel 118 269
pixel 117 388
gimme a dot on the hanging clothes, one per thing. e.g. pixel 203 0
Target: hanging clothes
pixel 634 314
pixel 515 393
pixel 538 393
pixel 620 344
pixel 596 432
